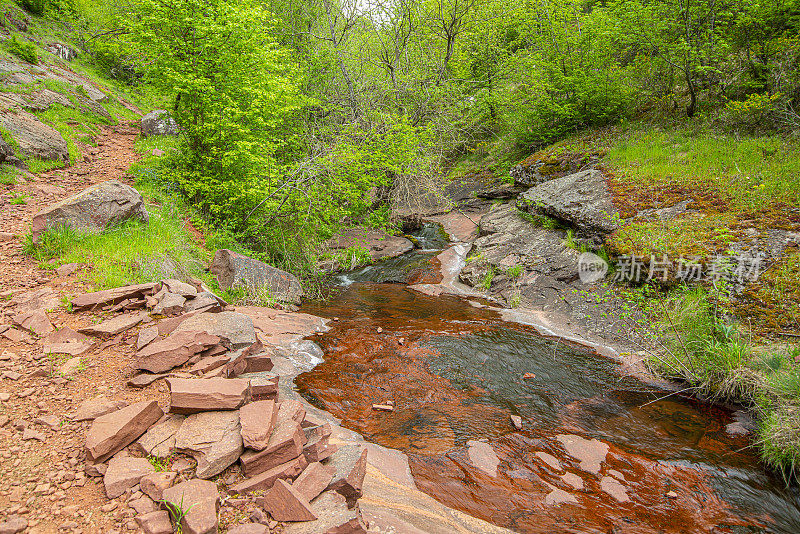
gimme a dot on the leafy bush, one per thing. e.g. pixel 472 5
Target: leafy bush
pixel 36 7
pixel 758 111
pixel 22 49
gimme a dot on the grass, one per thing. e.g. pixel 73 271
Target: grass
pixel 37 165
pixel 21 49
pixel 8 175
pixel 714 359
pixel 130 253
pixel 18 198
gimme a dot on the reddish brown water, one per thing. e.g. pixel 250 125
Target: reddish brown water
pixel 455 373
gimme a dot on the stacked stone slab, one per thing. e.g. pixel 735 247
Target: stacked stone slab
pixel 223 409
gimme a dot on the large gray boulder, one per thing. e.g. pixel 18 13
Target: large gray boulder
pixel 234 269
pixel 581 199
pixel 93 209
pixel 33 137
pixel 158 122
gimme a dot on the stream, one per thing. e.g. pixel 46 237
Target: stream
pixel 598 452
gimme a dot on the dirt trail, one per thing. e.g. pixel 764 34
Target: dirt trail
pixel 40 448
pixel 109 160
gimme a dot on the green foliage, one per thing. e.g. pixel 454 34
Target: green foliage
pixel 37 165
pixel 18 198
pixel 8 175
pixel 52 243
pixel 22 49
pixel 515 271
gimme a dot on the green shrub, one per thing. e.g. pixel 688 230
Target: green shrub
pixel 21 49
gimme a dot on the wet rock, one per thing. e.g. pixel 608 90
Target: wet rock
pixel 591 453
pixel 110 296
pixel 158 122
pixel 93 408
pixel 378 243
pixel 314 480
pixel 613 487
pixel 249 528
pixel 35 321
pixel 159 440
pixel 550 460
pixel 482 456
pixel 188 396
pixel 351 467
pixel 114 431
pixel 124 473
pixel 516 421
pixel 573 480
pixel 175 350
pixel 213 439
pixel 285 503
pixel 236 328
pixel 196 503
pixel 558 496
pixel 258 419
pixel 94 209
pixel 265 480
pixel 114 326
pixel 33 137
pixel 155 523
pixel 154 484
pixel 581 199
pixel 233 269
pixel 334 517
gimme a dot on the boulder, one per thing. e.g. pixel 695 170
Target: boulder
pixel 159 440
pixel 265 480
pixel 158 122
pixel 93 408
pixel 236 328
pixel 351 467
pixel 114 431
pixel 378 243
pixel 233 269
pixel 155 522
pixel 179 288
pixel 258 419
pixel 33 137
pixel 195 503
pixel 124 473
pixel 188 396
pixel 170 304
pixel 94 209
pixel 5 150
pixel 581 199
pixel 154 484
pixel 213 438
pixel 175 350
pixel 285 503
pixel 110 296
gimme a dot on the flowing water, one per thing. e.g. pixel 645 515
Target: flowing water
pixel 598 451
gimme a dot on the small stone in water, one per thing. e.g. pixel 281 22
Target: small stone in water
pixel 380 329
pixel 527 376
pixel 516 421
pixel 672 495
pixel 383 407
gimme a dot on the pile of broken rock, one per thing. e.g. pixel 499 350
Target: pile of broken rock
pixel 223 409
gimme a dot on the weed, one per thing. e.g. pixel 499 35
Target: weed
pixel 8 175
pixel 37 165
pixel 159 463
pixel 515 271
pixel 66 303
pixel 486 283
pixel 18 198
pixel 53 243
pixel 21 49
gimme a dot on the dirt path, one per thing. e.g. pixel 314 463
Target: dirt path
pixel 40 448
